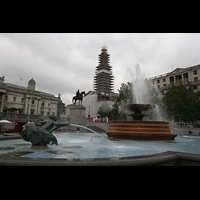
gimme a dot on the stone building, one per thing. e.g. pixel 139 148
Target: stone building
pixel 25 103
pixel 189 77
pixel 92 104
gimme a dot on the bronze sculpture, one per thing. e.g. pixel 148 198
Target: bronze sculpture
pixel 79 96
pixel 41 135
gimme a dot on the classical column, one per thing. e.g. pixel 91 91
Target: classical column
pixel 38 111
pixel 174 79
pixel 36 105
pixel 2 102
pixel 26 104
pixel 29 107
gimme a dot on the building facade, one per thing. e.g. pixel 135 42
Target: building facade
pixel 190 77
pixel 25 103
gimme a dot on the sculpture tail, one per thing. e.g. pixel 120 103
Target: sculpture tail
pixel 50 139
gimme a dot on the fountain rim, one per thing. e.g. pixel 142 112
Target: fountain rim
pixel 140 121
pixel 151 159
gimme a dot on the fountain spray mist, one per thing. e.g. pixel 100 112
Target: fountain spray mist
pixel 142 90
pixel 140 85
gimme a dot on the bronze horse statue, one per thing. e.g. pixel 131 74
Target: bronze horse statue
pixel 78 97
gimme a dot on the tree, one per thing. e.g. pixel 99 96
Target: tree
pixel 125 96
pixel 60 108
pixel 103 110
pixel 182 103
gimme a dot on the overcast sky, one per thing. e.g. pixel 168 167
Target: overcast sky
pixel 65 62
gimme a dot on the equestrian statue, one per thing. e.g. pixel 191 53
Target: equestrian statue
pixel 79 96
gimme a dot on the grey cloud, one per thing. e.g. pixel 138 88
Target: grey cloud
pixel 63 62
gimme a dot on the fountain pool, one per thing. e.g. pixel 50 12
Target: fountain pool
pixel 79 146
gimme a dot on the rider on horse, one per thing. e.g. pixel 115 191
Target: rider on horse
pixel 79 96
pixel 77 93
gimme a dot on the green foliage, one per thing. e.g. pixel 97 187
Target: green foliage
pixel 182 103
pixel 125 94
pixel 103 110
pixel 60 109
pixel 125 97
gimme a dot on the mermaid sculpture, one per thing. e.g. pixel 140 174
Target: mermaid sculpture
pixel 41 135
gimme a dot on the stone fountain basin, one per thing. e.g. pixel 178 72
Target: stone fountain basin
pixel 140 130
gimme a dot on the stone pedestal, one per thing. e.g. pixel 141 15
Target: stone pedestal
pixel 77 116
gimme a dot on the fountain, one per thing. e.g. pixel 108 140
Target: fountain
pixel 139 129
pixel 84 149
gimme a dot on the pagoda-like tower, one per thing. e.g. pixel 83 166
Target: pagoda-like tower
pixel 103 79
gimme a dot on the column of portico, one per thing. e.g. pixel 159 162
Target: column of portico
pixel 38 111
pixel 29 107
pixel 2 102
pixel 178 80
pixel 26 105
pixel 36 105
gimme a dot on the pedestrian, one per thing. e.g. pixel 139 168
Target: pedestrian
pixel 77 130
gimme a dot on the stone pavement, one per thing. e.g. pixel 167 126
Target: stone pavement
pixel 9 136
pixel 185 131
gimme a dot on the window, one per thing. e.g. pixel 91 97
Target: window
pixel 158 81
pixel 164 85
pixel 33 101
pixel 14 99
pixel 22 100
pixel 195 79
pixel 6 98
pixel 164 79
pixel 195 72
pixel 195 87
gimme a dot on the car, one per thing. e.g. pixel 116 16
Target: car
pixel 179 124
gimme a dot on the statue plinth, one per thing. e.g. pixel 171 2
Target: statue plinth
pixel 77 115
